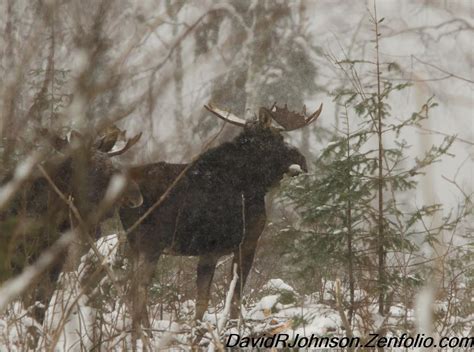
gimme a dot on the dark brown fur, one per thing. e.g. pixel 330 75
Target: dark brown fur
pixel 217 208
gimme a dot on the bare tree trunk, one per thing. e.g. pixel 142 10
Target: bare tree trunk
pixel 380 220
pixel 177 74
pixel 9 93
pixel 349 236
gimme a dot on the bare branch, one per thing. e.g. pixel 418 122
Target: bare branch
pixel 443 70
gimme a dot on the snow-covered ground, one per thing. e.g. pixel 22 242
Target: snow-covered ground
pixel 72 323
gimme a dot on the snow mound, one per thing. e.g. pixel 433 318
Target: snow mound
pixel 278 285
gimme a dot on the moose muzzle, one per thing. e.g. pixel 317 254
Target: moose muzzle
pixel 295 170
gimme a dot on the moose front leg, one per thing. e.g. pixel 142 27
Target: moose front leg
pixel 205 273
pixel 244 255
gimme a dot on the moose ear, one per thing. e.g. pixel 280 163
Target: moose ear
pixel 55 141
pixel 265 117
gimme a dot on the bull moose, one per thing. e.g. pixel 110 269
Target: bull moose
pixel 79 170
pixel 213 206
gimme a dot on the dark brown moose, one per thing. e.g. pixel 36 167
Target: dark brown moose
pixel 215 205
pixel 35 218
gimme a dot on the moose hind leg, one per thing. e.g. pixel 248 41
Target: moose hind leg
pixel 205 273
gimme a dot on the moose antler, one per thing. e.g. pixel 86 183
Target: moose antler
pixel 291 120
pixel 130 142
pixel 226 116
pixel 288 120
pixel 108 138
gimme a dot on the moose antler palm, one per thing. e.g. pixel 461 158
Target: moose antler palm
pixel 291 120
pixel 288 120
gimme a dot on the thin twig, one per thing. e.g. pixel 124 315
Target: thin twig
pixel 443 70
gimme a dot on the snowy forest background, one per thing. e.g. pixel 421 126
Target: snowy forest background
pixel 332 260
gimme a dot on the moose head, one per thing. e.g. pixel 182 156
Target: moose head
pixel 84 166
pixel 260 150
